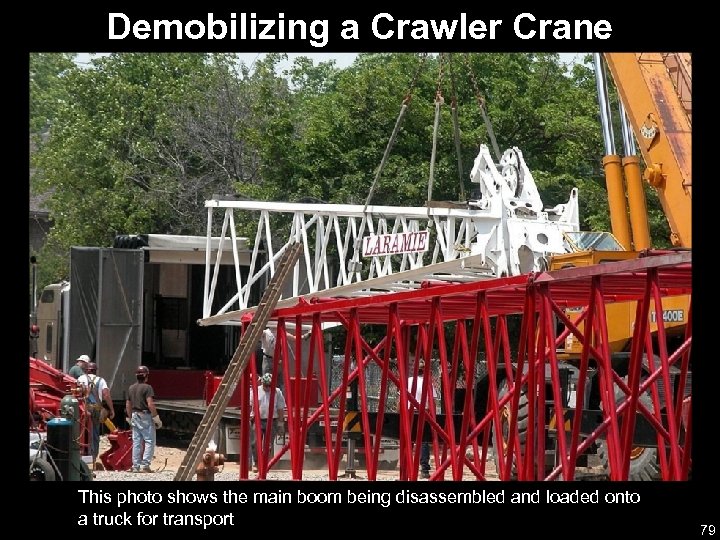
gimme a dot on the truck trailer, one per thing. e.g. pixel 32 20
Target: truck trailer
pixel 136 303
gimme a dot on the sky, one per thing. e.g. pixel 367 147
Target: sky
pixel 342 60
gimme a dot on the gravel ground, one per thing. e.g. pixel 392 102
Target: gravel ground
pixel 169 455
pixel 167 475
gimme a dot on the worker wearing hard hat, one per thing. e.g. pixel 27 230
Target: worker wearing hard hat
pixel 80 366
pixel 144 419
pixel 98 403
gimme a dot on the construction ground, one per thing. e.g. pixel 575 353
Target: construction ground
pixel 170 452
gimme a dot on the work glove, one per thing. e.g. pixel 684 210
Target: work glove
pixel 157 421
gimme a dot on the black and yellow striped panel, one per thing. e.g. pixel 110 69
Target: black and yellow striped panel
pixel 351 423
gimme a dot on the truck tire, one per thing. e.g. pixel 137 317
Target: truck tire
pixel 522 427
pixel 644 465
pixel 500 447
pixel 41 471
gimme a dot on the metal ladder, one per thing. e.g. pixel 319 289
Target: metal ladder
pixel 245 349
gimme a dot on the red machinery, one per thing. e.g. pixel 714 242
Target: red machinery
pixel 48 386
pixel 119 456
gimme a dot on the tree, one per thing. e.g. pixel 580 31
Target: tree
pixel 48 93
pixel 102 160
pixel 341 133
pixel 47 87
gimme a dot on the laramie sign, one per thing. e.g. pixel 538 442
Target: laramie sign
pixel 393 244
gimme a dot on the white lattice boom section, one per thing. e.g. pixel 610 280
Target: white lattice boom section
pixel 505 231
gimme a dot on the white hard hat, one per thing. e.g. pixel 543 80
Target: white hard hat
pixel 83 358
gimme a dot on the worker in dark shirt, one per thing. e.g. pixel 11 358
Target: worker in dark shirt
pixel 144 419
pixel 80 367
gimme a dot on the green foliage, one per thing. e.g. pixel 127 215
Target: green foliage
pixel 102 158
pixel 48 90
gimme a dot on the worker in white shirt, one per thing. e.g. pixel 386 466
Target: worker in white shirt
pixel 415 388
pixel 264 394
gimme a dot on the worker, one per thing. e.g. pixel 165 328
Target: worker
pixel 264 394
pixel 80 366
pixel 267 341
pixel 144 420
pixel 98 404
pixel 415 387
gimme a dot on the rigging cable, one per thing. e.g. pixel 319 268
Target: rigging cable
pixel 439 100
pixel 354 265
pixel 481 104
pixel 456 128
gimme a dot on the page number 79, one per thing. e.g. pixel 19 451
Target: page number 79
pixel 707 530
